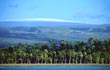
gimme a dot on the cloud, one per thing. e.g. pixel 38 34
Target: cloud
pixel 39 19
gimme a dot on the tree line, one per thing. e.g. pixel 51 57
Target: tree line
pixel 92 51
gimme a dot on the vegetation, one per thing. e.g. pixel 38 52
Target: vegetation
pixel 92 51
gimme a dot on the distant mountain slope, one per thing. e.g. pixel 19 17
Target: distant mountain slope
pixel 39 23
pixel 16 32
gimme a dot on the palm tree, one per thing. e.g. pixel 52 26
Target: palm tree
pixel 76 57
pixel 30 57
pixel 52 44
pixel 54 57
pixel 107 57
pixel 88 58
pixel 45 54
pixel 9 58
pixel 49 59
pixel 101 60
pixel 60 57
pixel 84 56
pixel 66 52
pixel 63 52
pixel 41 56
pixel 37 53
pixel 14 56
pixel 21 55
pixel 71 54
pixel 80 56
pixel 96 56
pixel 2 57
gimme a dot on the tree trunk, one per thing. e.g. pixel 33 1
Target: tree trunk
pixel 45 61
pixel 80 60
pixel 76 60
pixel 38 61
pixel 69 59
pixel 84 59
pixel 2 62
pixel 42 61
pixel 28 60
pixel 62 60
pixel 54 61
pixel 14 60
pixel 65 60
pixel 73 60
pixel 91 61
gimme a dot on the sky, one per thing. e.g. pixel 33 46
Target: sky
pixel 83 11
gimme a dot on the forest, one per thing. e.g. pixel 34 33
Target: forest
pixel 93 51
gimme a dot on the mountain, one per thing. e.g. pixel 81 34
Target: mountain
pixel 30 32
pixel 40 23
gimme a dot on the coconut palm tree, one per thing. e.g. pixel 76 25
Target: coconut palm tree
pixel 88 58
pixel 14 56
pixel 101 60
pixel 71 54
pixel 76 57
pixel 49 59
pixel 60 56
pixel 37 53
pixel 45 54
pixel 96 56
pixel 52 43
pixel 80 55
pixel 2 57
pixel 66 52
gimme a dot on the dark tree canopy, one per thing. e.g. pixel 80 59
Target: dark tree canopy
pixel 92 51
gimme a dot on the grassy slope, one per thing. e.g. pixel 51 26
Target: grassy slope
pixel 10 35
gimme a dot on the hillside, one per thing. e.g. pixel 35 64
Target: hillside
pixel 16 32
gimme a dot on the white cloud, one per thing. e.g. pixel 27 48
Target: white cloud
pixel 39 19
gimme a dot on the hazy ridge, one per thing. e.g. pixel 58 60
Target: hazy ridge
pixel 32 32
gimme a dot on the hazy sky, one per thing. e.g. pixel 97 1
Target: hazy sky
pixel 84 11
